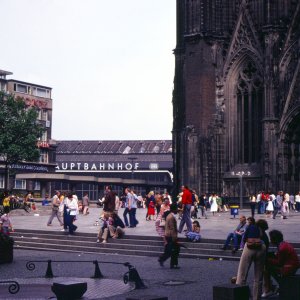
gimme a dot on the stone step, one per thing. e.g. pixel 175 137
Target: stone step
pixel 115 251
pixel 118 244
pixel 62 236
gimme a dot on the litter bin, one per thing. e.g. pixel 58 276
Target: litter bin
pixel 234 210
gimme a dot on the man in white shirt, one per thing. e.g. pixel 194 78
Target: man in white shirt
pixel 297 200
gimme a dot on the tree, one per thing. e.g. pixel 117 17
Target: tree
pixel 19 132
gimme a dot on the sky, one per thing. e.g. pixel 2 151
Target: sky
pixel 109 63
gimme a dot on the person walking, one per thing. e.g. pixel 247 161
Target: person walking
pixel 252 205
pixel 85 204
pixel 55 210
pixel 72 210
pixel 213 204
pixel 109 202
pixel 128 203
pixel 172 247
pixel 186 207
pixel 202 206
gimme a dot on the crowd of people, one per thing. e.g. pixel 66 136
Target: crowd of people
pixel 173 217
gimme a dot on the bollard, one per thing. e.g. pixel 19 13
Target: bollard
pixel 133 276
pixel 98 273
pixel 49 273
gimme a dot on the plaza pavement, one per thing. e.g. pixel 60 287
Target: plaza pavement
pixel 196 276
pixel 217 226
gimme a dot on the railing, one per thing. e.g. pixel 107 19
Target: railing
pixel 14 286
pixel 131 276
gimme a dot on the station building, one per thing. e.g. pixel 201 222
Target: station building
pixel 87 166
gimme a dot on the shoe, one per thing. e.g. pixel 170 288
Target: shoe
pixel 104 242
pixel 161 263
pixel 267 294
pixel 174 267
pixel 98 241
pixel 63 229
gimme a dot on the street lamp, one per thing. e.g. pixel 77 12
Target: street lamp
pixel 241 174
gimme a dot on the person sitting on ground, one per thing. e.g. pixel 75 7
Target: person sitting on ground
pixel 236 236
pixel 194 235
pixel 103 231
pixel 250 221
pixel 282 264
pixel 116 227
pixel 45 202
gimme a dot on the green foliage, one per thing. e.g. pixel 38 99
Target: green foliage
pixel 19 130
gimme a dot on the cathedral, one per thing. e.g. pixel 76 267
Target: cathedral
pixel 236 97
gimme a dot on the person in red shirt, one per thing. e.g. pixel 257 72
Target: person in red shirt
pixel 284 263
pixel 187 201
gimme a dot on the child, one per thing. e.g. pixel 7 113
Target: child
pixel 194 235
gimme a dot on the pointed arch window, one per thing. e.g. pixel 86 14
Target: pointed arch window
pixel 249 114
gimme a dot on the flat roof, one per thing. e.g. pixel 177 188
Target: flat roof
pixel 29 83
pixel 2 72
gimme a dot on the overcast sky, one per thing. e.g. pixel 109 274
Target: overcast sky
pixel 110 63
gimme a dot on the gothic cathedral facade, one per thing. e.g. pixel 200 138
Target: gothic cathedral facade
pixel 236 98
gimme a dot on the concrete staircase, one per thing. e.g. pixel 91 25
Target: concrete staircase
pixel 129 245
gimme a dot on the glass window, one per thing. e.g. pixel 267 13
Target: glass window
pixel 1 181
pixel 20 184
pixel 44 156
pixel 21 88
pixel 45 115
pixel 37 186
pixel 41 92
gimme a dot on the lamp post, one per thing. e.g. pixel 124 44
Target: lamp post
pixel 241 174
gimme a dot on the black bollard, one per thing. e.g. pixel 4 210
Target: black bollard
pixel 49 273
pixel 98 273
pixel 135 277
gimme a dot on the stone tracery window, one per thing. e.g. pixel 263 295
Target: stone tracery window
pixel 249 114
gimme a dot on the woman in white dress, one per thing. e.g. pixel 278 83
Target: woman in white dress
pixel 213 203
pixel 269 208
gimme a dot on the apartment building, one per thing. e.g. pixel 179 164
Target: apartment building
pixel 37 96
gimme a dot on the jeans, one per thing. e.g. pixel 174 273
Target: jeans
pixel 71 226
pixel 186 218
pixel 252 206
pixel 236 240
pixel 203 211
pixel 126 211
pixel 132 217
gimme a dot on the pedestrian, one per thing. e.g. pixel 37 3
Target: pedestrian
pixel 85 204
pixel 128 202
pixel 202 206
pixel 132 211
pixel 109 202
pixel 252 204
pixel 285 208
pixel 213 203
pixel 297 200
pixel 72 211
pixel 55 210
pixel 254 252
pixel 277 203
pixel 186 208
pixel 160 222
pixel 150 204
pixel 172 247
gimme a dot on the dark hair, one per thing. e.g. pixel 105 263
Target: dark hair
pixel 252 220
pixel 196 223
pixel 173 207
pixel 262 224
pixel 276 237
